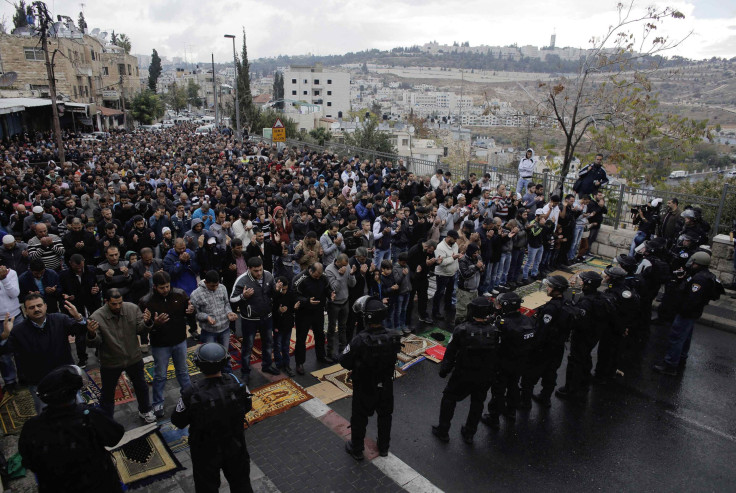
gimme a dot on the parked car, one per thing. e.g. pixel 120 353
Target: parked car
pixel 731 174
pixel 678 174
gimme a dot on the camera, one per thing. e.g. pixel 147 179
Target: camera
pixel 635 210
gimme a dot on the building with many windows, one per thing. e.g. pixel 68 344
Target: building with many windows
pixel 329 89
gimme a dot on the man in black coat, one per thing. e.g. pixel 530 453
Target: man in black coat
pixel 79 286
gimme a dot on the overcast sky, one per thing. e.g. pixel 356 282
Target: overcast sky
pixel 324 27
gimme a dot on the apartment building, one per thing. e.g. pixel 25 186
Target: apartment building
pixel 330 89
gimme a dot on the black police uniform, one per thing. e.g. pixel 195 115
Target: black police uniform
pixel 548 352
pixel 472 357
pixel 65 447
pixel 371 356
pixel 613 335
pixel 517 339
pixel 214 408
pixel 678 257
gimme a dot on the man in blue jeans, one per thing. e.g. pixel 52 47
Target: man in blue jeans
pixel 254 292
pixel 165 310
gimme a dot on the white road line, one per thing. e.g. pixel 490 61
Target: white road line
pixel 702 426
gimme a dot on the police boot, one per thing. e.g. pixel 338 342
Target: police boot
pixel 542 399
pixel 442 435
pixel 467 436
pixel 525 400
pixel 355 454
pixel 490 420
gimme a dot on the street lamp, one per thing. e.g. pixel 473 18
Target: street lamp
pixel 237 101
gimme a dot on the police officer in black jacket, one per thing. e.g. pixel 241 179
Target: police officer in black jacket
pixel 472 357
pixel 597 313
pixel 517 337
pixel 371 356
pixel 550 347
pixel 214 408
pixel 65 445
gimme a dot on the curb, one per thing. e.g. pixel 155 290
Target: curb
pixel 710 320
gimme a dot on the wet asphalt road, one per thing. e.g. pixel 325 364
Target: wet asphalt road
pixel 648 433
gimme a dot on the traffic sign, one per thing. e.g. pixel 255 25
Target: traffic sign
pixel 279 132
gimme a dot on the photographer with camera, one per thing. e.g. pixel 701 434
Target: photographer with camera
pixel 646 217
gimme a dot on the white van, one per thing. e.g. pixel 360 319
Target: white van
pixel 678 174
pixel 205 129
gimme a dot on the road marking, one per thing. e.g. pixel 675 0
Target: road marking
pixel 702 426
pixel 400 472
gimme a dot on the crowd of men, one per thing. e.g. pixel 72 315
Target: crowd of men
pixel 142 240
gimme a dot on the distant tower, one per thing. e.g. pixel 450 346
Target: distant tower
pixel 552 40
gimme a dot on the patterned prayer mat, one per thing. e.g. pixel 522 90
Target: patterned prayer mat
pixel 440 336
pixel 170 373
pixel 92 393
pixel 256 354
pixel 145 460
pixel 413 346
pixel 15 410
pixel 177 439
pixel 275 398
pixel 341 379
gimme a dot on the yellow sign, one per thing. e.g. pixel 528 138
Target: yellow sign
pixel 279 134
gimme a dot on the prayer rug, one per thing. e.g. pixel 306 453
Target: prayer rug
pixel 408 364
pixel 256 354
pixel 15 410
pixel 92 393
pixel 436 353
pixel 326 392
pixel 170 372
pixel 275 398
pixel 440 336
pixel 145 459
pixel 341 379
pixel 413 346
pixel 176 438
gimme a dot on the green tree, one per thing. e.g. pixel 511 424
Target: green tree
pixel 177 97
pixel 376 109
pixel 248 111
pixel 266 118
pixel 193 94
pixel 369 137
pixel 113 38
pixel 82 23
pixel 320 135
pixel 147 107
pixel 609 103
pixel 364 69
pixel 19 16
pixel 154 71
pixel 278 89
pixel 123 41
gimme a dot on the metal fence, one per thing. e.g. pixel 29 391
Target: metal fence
pixel 719 212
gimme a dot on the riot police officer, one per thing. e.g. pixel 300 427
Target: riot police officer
pixel 371 356
pixel 582 341
pixel 611 345
pixel 549 350
pixel 655 271
pixel 65 444
pixel 215 408
pixel 516 340
pixel 471 357
pixel 694 292
pixel 678 256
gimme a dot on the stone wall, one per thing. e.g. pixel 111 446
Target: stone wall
pixel 613 242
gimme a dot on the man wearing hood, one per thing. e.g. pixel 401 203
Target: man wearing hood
pixel 591 177
pixel 192 236
pixel 526 170
pixel 470 268
pixel 181 264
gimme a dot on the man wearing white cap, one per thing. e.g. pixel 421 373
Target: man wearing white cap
pixel 39 216
pixel 14 254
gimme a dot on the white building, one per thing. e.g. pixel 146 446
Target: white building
pixel 313 84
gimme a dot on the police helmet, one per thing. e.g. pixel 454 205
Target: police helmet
pixel 61 385
pixel 371 308
pixel 698 258
pixel 627 263
pixel 210 357
pixel 510 302
pixel 557 283
pixel 656 245
pixel 591 279
pixel 688 213
pixel 614 273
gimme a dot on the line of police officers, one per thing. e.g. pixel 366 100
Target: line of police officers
pixel 496 349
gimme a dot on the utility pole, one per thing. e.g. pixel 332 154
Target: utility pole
pixel 214 87
pixel 44 20
pixel 238 133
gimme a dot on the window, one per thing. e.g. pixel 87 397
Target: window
pixel 35 54
pixel 329 81
pixel 316 92
pixel 293 93
pixel 306 92
pixel 121 69
pixel 92 52
pixel 105 71
pixel 329 93
pixel 137 73
pixel 40 88
pixel 75 92
pixel 130 72
pixel 86 91
pixel 316 82
pixel 305 81
pixel 405 142
pixel 293 81
pixel 329 103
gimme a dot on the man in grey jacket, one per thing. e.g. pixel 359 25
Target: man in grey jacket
pixel 212 303
pixel 470 268
pixel 331 243
pixel 340 279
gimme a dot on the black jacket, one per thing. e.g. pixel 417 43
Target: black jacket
pixel 260 304
pixel 81 290
pixel 175 304
pixel 307 287
pixel 140 286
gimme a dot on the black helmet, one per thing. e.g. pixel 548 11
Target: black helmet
pixel 61 385
pixel 656 245
pixel 371 308
pixel 510 302
pixel 615 273
pixel 558 283
pixel 627 263
pixel 591 279
pixel 479 308
pixel 210 358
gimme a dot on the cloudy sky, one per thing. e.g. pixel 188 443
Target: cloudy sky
pixel 324 27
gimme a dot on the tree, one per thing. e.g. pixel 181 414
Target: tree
pixel 266 118
pixel 248 111
pixel 369 137
pixel 154 71
pixel 177 97
pixel 113 38
pixel 123 41
pixel 82 23
pixel 147 107
pixel 609 101
pixel 320 135
pixel 19 17
pixel 193 94
pixel 278 89
pixel 376 109
pixel 364 69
